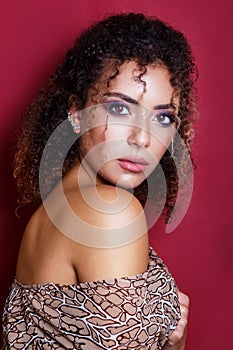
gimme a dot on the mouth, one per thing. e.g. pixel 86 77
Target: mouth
pixel 133 164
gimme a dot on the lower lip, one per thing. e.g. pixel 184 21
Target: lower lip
pixel 133 167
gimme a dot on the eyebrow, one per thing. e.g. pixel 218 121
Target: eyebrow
pixel 133 101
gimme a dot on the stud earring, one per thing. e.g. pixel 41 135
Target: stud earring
pixel 72 122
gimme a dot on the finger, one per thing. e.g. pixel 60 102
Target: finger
pixel 179 334
pixel 177 339
pixel 183 299
pixel 184 311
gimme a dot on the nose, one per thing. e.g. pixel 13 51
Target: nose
pixel 139 138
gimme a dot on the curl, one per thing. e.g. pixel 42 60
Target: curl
pixel 98 51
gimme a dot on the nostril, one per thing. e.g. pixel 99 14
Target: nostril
pixel 140 139
pixel 139 142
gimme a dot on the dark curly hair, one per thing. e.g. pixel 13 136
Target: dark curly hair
pixel 118 38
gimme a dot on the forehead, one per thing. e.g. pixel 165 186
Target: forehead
pixel 149 85
pixel 152 81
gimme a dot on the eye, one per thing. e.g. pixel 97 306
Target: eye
pixel 164 118
pixel 117 108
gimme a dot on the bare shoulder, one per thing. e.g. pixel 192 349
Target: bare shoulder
pixel 45 254
pixel 102 216
pixel 112 234
pixel 96 233
pixel 105 205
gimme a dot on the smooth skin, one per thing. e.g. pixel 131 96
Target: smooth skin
pixel 48 255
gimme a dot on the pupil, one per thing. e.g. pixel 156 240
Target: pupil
pixel 161 118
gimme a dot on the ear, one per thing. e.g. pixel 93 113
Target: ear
pixel 74 120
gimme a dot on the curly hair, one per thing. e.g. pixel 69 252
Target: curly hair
pixel 118 38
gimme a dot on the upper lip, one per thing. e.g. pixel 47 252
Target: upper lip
pixel 136 160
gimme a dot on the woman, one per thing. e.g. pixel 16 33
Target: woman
pixel 122 98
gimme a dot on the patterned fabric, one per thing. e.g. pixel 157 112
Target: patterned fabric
pixel 136 312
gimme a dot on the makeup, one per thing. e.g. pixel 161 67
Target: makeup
pixel 133 164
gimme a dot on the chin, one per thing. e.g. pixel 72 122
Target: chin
pixel 126 183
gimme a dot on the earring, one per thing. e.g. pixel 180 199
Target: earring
pixel 72 122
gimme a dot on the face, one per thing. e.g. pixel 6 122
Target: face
pixel 131 126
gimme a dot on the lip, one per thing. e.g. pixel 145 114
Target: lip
pixel 133 164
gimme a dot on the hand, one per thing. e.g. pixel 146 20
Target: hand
pixel 176 340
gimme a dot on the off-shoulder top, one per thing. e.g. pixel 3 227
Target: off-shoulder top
pixel 134 312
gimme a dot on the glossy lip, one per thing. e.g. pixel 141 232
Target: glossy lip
pixel 133 164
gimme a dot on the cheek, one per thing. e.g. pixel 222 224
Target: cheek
pixel 97 135
pixel 92 138
pixel 115 132
pixel 157 149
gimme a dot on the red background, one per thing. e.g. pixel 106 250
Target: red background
pixel 34 37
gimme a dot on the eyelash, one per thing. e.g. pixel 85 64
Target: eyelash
pixel 168 115
pixel 109 106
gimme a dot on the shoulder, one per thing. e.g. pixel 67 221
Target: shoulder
pixel 45 254
pixel 105 205
pixel 111 234
pixel 105 211
pixel 94 233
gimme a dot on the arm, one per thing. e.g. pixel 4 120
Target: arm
pixel 176 340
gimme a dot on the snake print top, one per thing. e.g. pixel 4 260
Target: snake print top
pixel 135 312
